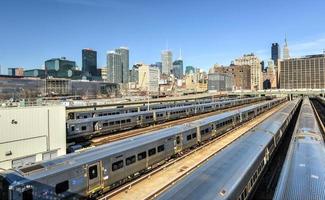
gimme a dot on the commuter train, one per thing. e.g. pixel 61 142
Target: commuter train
pixel 97 170
pixel 131 109
pixel 234 172
pixel 90 127
pixel 303 172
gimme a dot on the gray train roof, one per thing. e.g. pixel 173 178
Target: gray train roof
pixel 80 158
pixel 109 117
pixel 223 172
pixel 303 173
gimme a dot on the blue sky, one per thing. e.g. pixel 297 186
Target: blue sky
pixel 208 32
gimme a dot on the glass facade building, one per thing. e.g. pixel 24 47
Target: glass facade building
pixel 124 54
pixel 60 68
pixel 275 53
pixel 89 63
pixel 178 69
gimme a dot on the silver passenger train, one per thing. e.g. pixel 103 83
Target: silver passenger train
pixel 303 173
pixel 131 109
pixel 95 126
pixel 233 173
pixel 89 173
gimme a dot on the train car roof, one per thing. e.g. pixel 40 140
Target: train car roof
pixel 303 173
pixel 79 158
pixel 218 177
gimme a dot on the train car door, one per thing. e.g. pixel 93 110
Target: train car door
pixel 94 177
pixel 178 143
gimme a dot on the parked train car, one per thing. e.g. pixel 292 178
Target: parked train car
pixel 303 173
pixel 130 109
pixel 97 170
pixel 95 126
pixel 234 172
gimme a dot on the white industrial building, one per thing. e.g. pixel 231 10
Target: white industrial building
pixel 31 134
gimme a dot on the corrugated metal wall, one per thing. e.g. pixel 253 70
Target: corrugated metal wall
pixel 31 131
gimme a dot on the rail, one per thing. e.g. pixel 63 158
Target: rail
pixel 128 186
pixel 320 122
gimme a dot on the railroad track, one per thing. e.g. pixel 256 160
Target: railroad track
pixel 126 134
pixel 151 184
pixel 319 110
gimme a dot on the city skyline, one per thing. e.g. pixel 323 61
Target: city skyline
pixel 35 40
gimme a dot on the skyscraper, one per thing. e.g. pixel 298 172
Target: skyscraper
pixel 167 61
pixel 256 74
pixel 124 52
pixel 303 73
pixel 178 68
pixel 114 67
pixel 275 53
pixel 89 63
pixel 286 54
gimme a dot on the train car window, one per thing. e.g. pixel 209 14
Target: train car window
pixel 118 122
pixel 178 140
pixel 105 124
pixel 93 173
pixel 128 120
pixel 142 155
pixel 62 187
pixel 83 128
pixel 161 148
pixel 188 137
pixel 72 128
pixel 152 152
pixel 117 165
pixel 111 123
pixel 202 132
pixel 193 135
pixel 28 194
pixel 123 121
pixel 130 160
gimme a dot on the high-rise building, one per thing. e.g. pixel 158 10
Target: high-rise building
pixel 124 52
pixel 189 70
pixel 178 68
pixel 167 61
pixel 148 78
pixel 114 67
pixel 286 54
pixel 240 73
pixel 275 53
pixel 256 73
pixel 303 73
pixel 89 63
pixel 17 71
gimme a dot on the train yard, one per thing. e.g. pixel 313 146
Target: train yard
pixel 250 148
pixel 153 183
pixel 134 132
pixel 186 111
